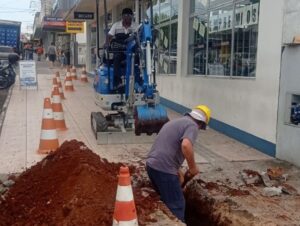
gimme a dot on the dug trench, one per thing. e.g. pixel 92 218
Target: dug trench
pixel 202 209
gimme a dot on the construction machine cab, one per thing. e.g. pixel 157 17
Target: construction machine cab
pixel 137 105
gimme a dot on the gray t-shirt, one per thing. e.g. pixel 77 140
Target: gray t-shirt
pixel 51 50
pixel 166 154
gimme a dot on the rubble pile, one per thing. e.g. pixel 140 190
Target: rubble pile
pixel 72 186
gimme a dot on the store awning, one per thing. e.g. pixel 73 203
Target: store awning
pixel 89 6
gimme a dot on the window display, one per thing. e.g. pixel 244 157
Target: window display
pixel 165 16
pixel 223 37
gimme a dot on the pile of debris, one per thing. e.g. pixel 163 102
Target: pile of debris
pixel 274 180
pixel 73 186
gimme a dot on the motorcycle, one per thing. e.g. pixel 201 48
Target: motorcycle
pixel 7 72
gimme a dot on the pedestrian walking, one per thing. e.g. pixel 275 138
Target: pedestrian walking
pixel 173 144
pixel 39 52
pixel 51 54
pixel 63 59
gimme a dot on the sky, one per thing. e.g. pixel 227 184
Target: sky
pixel 20 10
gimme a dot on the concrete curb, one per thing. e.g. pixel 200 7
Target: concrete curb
pixel 4 108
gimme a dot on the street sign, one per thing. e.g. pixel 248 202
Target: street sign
pixel 74 27
pixel 28 78
pixel 84 15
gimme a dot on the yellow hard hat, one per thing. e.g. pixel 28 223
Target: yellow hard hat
pixel 206 110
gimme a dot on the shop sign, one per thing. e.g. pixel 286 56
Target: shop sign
pixel 28 78
pixel 244 16
pixel 84 15
pixel 74 27
pixel 53 24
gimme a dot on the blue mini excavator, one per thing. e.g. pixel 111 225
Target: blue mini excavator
pixel 135 104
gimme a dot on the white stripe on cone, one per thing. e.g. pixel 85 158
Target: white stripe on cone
pixel 58 115
pixel 68 83
pixel 49 134
pixel 124 194
pixel 125 223
pixel 47 113
pixel 56 99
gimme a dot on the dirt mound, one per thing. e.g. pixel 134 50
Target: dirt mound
pixel 72 186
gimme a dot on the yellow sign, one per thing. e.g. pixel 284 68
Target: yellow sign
pixel 74 27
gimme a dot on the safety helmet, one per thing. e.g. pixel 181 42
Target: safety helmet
pixel 206 110
pixel 200 113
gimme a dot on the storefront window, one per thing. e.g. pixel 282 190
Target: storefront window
pixel 216 47
pixel 165 16
pixel 245 39
pixel 219 41
pixel 198 37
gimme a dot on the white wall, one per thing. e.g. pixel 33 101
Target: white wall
pixel 288 134
pixel 248 104
pixel 291 25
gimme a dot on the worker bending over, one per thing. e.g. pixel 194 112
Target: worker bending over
pixel 173 144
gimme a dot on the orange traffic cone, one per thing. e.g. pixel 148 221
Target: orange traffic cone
pixel 59 85
pixel 54 84
pixel 125 212
pixel 58 113
pixel 83 76
pixel 74 73
pixel 48 139
pixel 68 74
pixel 57 74
pixel 69 84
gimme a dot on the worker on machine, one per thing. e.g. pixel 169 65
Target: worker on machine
pixel 173 144
pixel 120 31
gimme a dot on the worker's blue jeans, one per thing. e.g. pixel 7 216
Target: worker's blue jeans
pixel 170 191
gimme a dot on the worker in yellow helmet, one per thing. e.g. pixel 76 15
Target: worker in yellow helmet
pixel 173 144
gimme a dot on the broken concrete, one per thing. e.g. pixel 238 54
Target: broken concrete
pixel 272 191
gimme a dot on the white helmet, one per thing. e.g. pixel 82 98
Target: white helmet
pixel 198 115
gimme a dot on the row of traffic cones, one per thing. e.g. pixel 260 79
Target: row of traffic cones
pixel 53 115
pixel 71 71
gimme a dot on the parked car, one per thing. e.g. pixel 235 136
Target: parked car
pixel 5 51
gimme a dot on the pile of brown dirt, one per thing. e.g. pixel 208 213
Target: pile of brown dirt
pixel 72 186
